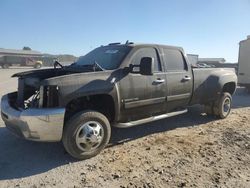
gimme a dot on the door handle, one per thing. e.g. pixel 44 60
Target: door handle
pixel 186 78
pixel 159 81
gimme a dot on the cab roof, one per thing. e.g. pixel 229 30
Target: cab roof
pixel 146 45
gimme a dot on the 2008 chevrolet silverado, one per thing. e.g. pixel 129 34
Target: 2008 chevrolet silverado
pixel 119 84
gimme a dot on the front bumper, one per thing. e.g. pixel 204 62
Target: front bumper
pixel 44 124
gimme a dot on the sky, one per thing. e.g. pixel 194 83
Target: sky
pixel 210 28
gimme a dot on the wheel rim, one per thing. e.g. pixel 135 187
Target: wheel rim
pixel 226 106
pixel 89 136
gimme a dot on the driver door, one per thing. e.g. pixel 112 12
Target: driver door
pixel 143 96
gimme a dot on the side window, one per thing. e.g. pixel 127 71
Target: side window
pixel 174 60
pixel 147 52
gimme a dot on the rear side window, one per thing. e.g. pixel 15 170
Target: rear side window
pixel 174 60
pixel 147 52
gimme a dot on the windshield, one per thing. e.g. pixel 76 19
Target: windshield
pixel 108 57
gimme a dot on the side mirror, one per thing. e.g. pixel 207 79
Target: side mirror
pixel 147 66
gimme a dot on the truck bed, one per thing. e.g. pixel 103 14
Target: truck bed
pixel 207 83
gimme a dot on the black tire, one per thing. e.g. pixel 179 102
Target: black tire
pixel 76 124
pixel 222 106
pixel 208 108
pixel 37 66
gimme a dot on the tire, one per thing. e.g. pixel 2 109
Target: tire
pixel 209 109
pixel 37 66
pixel 222 106
pixel 84 129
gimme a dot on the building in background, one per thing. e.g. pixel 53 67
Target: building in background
pixel 196 61
pixel 13 52
pixel 217 62
pixel 28 57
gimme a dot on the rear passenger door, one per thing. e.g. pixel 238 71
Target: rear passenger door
pixel 179 78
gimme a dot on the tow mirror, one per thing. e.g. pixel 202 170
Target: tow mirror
pixel 146 66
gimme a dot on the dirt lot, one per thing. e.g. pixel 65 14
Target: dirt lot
pixel 190 150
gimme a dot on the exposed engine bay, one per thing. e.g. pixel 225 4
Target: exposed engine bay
pixel 33 94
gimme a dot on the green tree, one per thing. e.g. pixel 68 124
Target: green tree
pixel 26 48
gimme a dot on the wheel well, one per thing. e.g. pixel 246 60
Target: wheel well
pixel 229 87
pixel 102 103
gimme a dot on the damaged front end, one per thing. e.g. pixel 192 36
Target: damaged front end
pixel 33 111
pixel 28 94
pixel 34 95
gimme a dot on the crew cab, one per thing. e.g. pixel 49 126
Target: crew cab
pixel 119 85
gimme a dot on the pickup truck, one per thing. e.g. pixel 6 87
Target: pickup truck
pixel 119 85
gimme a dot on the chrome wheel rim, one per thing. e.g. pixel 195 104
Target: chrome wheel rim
pixel 89 136
pixel 226 106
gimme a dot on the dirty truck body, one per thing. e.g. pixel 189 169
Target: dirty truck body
pixel 114 85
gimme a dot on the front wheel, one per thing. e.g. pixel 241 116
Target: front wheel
pixel 222 106
pixel 86 134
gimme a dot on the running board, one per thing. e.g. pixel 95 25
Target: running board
pixel 150 119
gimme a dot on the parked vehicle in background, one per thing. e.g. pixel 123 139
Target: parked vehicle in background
pixel 119 85
pixel 203 65
pixel 9 57
pixel 244 64
pixel 7 61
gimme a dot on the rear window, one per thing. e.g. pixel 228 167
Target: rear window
pixel 174 60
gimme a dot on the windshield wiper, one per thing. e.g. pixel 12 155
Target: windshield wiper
pixel 97 65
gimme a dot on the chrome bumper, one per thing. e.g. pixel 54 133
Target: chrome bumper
pixel 45 124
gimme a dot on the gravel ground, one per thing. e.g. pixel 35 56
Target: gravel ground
pixel 190 150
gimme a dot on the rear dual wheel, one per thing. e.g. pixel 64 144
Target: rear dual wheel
pixel 221 108
pixel 86 134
